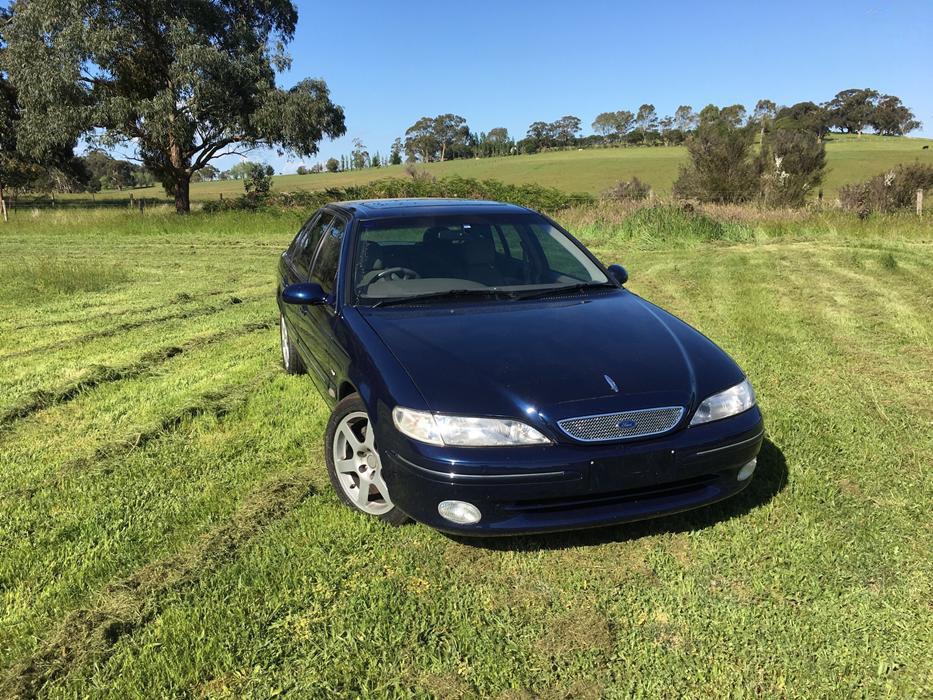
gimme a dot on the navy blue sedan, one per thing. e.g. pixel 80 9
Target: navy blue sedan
pixel 488 375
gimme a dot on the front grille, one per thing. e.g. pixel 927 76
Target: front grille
pixel 686 487
pixel 622 426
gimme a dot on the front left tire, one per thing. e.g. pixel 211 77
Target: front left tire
pixel 354 464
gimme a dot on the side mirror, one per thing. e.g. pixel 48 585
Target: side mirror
pixel 618 273
pixel 305 293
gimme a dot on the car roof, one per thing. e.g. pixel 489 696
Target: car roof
pixel 423 206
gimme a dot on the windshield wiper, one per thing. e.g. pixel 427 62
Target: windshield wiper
pixel 446 294
pixel 566 289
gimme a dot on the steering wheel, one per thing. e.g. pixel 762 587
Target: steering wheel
pixel 396 273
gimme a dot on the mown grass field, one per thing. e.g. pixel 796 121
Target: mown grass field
pixel 167 528
pixel 849 159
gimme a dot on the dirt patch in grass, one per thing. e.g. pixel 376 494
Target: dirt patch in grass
pixel 88 636
pixel 446 685
pixel 578 630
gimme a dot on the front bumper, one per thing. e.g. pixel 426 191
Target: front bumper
pixel 569 486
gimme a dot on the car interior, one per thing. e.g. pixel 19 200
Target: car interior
pixel 448 258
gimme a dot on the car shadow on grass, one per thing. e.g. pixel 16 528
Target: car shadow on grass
pixel 769 480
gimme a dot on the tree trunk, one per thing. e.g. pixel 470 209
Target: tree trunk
pixel 182 192
pixel 3 205
pixel 443 151
pixel 182 176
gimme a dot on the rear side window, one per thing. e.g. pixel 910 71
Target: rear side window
pixel 304 256
pixel 328 257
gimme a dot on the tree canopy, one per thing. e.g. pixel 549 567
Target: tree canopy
pixel 613 125
pixel 180 82
pixel 431 138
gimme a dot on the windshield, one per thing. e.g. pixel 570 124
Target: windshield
pixel 431 255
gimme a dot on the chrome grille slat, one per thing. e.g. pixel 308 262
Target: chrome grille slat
pixel 605 426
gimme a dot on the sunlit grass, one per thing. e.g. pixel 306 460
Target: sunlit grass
pixel 167 527
pixel 33 277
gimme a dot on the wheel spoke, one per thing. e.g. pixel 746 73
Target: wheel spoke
pixel 369 441
pixel 351 439
pixel 362 494
pixel 345 466
pixel 381 486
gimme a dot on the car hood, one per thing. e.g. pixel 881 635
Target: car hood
pixel 552 359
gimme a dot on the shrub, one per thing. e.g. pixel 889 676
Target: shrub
pixel 628 191
pixel 532 196
pixel 721 168
pixel 793 161
pixel 887 192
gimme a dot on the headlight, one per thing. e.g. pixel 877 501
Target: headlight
pixel 461 431
pixel 726 403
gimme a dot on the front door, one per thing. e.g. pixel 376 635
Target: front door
pixel 323 319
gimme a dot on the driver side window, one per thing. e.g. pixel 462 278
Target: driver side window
pixel 305 255
pixel 328 258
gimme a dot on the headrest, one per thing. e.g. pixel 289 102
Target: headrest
pixel 478 249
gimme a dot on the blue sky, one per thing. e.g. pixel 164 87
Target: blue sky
pixel 511 63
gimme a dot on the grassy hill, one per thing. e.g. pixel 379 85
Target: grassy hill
pixel 850 159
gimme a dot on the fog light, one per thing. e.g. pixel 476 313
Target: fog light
pixel 746 471
pixel 459 512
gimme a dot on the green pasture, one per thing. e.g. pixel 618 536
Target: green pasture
pixel 167 528
pixel 849 159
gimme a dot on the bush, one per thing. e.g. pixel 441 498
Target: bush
pixel 887 192
pixel 628 191
pixel 721 168
pixel 532 196
pixel 793 162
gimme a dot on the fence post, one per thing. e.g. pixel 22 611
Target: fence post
pixel 3 207
pixel 920 203
pixel 142 204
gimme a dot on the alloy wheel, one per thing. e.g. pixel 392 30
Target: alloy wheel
pixel 358 466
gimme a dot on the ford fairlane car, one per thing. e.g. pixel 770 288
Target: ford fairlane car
pixel 486 374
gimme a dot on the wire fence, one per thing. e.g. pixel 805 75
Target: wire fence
pixel 21 204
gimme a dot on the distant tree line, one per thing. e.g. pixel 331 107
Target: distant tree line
pixel 447 136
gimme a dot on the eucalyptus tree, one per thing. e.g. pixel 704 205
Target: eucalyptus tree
pixel 891 117
pixel 765 111
pixel 181 82
pixel 851 110
pixel 613 125
pixel 14 169
pixel 685 119
pixel 646 121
